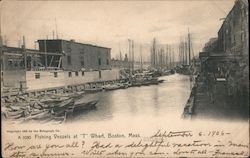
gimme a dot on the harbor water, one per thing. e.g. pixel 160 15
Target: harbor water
pixel 166 99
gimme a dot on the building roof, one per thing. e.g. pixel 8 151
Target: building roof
pixel 17 50
pixel 73 42
pixel 244 2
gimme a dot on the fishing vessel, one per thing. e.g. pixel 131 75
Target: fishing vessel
pixel 82 107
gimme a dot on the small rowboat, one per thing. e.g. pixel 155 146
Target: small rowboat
pixel 16 116
pixel 63 106
pixel 93 90
pixel 111 87
pixel 53 100
pixel 36 111
pixel 160 81
pixel 41 116
pixel 81 107
pixel 14 113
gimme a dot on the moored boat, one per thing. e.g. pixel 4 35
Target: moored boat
pixel 111 87
pixel 40 116
pixel 81 107
pixel 62 107
pixel 93 90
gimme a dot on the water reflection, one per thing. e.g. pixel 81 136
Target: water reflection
pixel 166 99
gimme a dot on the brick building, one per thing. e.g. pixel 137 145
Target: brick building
pixel 233 34
pixel 230 59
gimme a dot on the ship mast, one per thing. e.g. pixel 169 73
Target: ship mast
pixel 166 57
pixel 132 54
pixel 120 52
pixel 189 49
pixel 1 42
pixel 56 29
pixel 141 56
pixel 129 53
pixel 170 56
pixel 184 52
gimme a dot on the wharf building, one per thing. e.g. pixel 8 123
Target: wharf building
pixel 57 63
pixel 227 56
pixel 232 43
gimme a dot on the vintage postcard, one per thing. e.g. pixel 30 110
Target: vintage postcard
pixel 125 79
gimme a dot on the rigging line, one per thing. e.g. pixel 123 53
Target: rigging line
pixel 217 6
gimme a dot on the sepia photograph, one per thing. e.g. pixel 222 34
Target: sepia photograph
pixel 116 78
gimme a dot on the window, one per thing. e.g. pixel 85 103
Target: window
pixel 69 48
pixel 69 60
pixel 100 74
pixel 243 12
pixel 10 62
pixel 22 63
pixel 82 51
pixel 99 61
pixel 242 37
pixel 82 73
pixel 76 73
pixel 233 39
pixel 15 64
pixel 82 63
pixel 234 22
pixel 37 75
pixel 55 74
pixel 107 61
pixel 1 76
pixel 70 74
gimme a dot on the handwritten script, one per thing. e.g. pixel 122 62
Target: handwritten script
pixel 161 143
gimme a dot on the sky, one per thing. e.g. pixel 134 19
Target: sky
pixel 112 23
